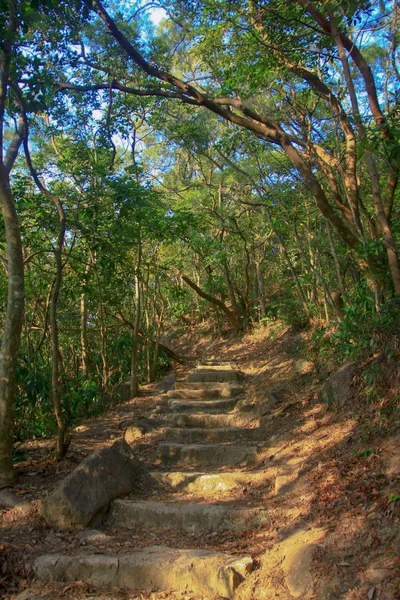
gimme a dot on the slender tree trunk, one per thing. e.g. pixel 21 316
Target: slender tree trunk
pixel 293 273
pixel 103 348
pixel 335 259
pixel 260 288
pixel 55 373
pixel 231 291
pixel 84 322
pixel 136 331
pixel 12 329
pixel 148 358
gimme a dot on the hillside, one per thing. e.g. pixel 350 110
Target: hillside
pixel 328 481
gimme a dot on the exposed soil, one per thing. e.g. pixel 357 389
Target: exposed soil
pixel 331 483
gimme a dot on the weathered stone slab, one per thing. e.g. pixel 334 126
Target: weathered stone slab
pixel 84 495
pixel 219 435
pixel 201 572
pixel 204 484
pixel 203 405
pixel 204 420
pixel 207 375
pixel 209 393
pixel 160 516
pixel 214 385
pixel 206 365
pixel 210 455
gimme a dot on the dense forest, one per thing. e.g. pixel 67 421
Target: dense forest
pixel 168 163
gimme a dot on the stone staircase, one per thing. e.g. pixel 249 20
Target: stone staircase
pixel 201 461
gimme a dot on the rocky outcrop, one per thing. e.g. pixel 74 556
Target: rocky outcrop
pixel 337 391
pixel 82 498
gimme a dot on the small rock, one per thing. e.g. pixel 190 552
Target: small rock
pixel 10 500
pixel 301 366
pixel 92 536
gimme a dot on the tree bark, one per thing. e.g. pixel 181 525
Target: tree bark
pixel 55 373
pixel 58 250
pixel 15 265
pixel 12 329
pixel 234 321
pixel 136 330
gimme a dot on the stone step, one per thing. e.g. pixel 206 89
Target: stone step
pixel 221 435
pixel 216 366
pixel 201 419
pixel 210 406
pixel 211 375
pixel 201 483
pixel 193 385
pixel 205 455
pixel 160 516
pixel 157 568
pixel 208 393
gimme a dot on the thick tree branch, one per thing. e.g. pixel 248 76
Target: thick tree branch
pixel 15 144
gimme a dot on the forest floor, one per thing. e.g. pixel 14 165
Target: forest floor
pixel 339 502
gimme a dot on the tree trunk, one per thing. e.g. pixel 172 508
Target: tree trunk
pixel 335 259
pixel 103 348
pixel 261 288
pixel 84 323
pixel 12 329
pixel 231 291
pixel 55 373
pixel 216 301
pixel 136 330
pixel 159 322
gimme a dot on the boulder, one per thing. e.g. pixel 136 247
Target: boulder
pixel 84 495
pixel 337 390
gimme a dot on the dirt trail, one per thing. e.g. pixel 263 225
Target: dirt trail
pixel 324 482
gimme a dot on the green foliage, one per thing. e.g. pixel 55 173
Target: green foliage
pixel 363 329
pixel 364 453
